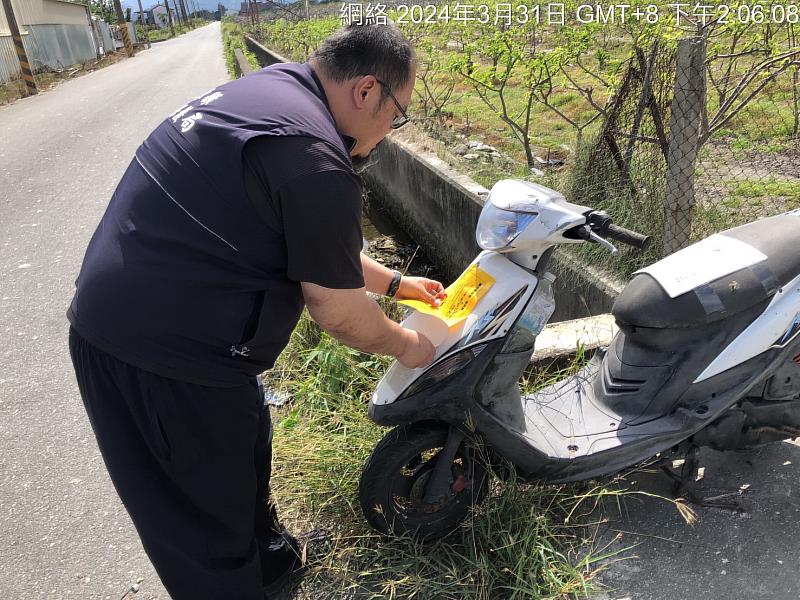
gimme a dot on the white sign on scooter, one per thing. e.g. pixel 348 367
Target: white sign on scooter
pixel 702 263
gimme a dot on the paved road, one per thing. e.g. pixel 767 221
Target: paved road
pixel 63 532
pixel 748 554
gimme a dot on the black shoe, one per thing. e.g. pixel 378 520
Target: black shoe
pixel 286 550
pixel 285 585
pixel 308 547
pixel 314 544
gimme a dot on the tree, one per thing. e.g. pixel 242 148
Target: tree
pixel 490 62
pixel 436 70
pixel 793 41
pixel 742 65
pixel 128 15
pixel 578 64
pixel 103 9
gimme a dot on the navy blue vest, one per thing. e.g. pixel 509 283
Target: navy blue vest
pixel 182 277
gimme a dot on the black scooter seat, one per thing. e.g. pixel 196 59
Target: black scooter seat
pixel 644 303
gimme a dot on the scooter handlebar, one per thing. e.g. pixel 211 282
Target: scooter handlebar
pixel 626 236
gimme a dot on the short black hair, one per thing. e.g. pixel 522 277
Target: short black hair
pixel 357 50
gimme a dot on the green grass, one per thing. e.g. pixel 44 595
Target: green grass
pixel 754 190
pixel 765 128
pixel 155 34
pixel 746 200
pixel 159 35
pixel 233 38
pixel 525 541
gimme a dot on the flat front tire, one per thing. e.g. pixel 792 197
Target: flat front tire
pixel 392 486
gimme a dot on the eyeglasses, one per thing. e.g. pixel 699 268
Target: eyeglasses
pixel 399 120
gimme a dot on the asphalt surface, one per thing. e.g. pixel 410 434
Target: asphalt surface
pixel 749 551
pixel 63 531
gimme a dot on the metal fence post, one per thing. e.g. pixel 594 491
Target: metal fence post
pixel 24 65
pixel 688 103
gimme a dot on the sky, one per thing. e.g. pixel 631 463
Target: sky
pixel 201 4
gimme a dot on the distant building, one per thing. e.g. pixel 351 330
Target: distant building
pixel 56 35
pixel 136 18
pixel 159 16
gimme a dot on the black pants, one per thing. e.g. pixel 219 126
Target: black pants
pixel 191 464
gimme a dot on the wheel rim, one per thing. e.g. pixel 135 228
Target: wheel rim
pixel 408 489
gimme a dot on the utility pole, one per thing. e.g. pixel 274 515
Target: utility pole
pixel 185 16
pixel 24 65
pixel 177 13
pixel 123 25
pixel 686 114
pixel 193 12
pixel 181 13
pixel 187 13
pixel 169 18
pixel 176 19
pixel 256 12
pixel 144 24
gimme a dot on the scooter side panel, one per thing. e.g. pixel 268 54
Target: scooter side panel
pixel 777 325
pixel 647 371
pixel 605 454
pixel 490 319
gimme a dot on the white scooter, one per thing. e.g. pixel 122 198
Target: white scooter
pixel 707 354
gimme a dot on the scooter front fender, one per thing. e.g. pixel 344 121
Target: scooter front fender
pixel 451 400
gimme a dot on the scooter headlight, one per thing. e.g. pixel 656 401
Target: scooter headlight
pixel 497 228
pixel 443 370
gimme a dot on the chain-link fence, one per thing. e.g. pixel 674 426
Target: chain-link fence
pixel 623 169
pixel 677 133
pixel 698 138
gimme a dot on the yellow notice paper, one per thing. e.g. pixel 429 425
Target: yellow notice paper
pixel 462 296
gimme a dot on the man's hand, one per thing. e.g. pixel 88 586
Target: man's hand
pixel 420 288
pixel 354 319
pixel 418 351
pixel 377 278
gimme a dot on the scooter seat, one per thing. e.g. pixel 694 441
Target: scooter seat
pixel 644 303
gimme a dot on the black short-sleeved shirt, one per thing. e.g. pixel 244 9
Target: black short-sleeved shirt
pixel 300 187
pixel 182 276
